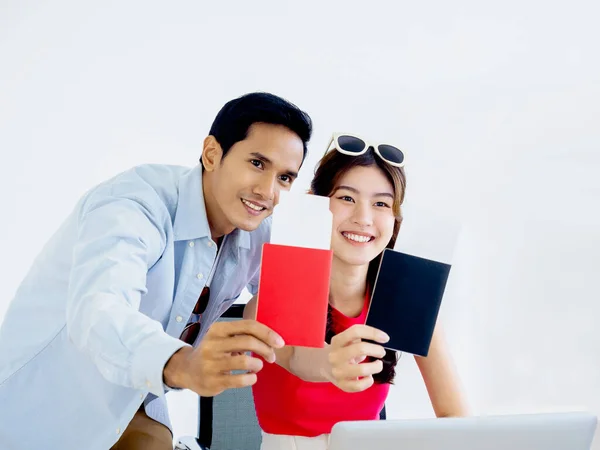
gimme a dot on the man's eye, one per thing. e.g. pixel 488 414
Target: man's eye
pixel 285 178
pixel 256 163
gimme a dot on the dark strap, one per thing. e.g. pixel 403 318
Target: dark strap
pixel 206 422
pixel 382 415
pixel 205 426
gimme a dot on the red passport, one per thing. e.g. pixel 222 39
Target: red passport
pixel 293 293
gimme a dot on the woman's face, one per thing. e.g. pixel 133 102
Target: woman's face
pixel 363 219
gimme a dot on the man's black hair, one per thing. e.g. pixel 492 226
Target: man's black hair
pixel 237 116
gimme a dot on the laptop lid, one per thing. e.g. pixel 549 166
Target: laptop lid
pixel 549 431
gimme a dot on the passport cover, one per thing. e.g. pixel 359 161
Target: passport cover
pixel 293 293
pixel 406 300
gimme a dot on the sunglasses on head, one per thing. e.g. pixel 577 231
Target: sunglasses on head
pixel 352 145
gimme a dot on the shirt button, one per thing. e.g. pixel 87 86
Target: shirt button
pixel 191 243
pixel 148 383
pixel 118 431
pixel 141 396
pixel 209 243
pixel 200 276
pixel 178 318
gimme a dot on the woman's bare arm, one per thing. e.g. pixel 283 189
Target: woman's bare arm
pixel 336 363
pixel 441 379
pixel 306 363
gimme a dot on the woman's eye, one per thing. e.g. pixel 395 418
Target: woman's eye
pixel 346 198
pixel 382 204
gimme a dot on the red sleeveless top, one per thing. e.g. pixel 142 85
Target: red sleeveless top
pixel 287 405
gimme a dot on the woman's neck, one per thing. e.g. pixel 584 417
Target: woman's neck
pixel 348 287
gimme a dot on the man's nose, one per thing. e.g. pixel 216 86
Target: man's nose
pixel 266 186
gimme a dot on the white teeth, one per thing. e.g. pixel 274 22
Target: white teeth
pixel 252 205
pixel 356 237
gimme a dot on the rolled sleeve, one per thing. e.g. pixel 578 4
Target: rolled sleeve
pixel 119 240
pixel 253 287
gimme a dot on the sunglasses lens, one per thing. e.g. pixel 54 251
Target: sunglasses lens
pixel 391 154
pixel 202 302
pixel 190 333
pixel 351 144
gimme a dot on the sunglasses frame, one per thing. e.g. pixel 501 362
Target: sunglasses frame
pixel 199 309
pixel 334 140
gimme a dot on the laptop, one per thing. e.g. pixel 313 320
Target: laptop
pixel 548 431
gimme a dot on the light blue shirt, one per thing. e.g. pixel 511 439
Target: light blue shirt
pixel 85 340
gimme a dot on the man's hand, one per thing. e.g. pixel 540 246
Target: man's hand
pixel 346 354
pixel 207 369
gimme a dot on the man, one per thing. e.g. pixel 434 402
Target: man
pixel 118 306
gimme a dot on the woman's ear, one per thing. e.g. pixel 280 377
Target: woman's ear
pixel 310 192
pixel 211 154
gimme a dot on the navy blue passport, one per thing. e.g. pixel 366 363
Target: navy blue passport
pixel 406 300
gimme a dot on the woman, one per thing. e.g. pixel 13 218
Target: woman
pixel 307 391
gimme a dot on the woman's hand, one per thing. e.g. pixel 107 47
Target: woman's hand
pixel 347 352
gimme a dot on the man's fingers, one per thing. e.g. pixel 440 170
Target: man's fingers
pixel 240 362
pixel 248 327
pixel 223 381
pixel 239 381
pixel 243 343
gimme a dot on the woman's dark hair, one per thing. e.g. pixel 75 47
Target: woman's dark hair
pixel 237 116
pixel 330 170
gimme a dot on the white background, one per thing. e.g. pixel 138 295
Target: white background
pixel 496 103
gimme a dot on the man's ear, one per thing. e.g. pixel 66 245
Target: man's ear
pixel 211 154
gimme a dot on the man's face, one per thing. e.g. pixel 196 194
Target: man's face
pixel 244 185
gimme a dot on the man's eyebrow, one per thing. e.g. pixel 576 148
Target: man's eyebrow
pixel 264 159
pixel 261 157
pixel 291 173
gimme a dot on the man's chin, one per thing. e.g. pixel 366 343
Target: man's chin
pixel 251 223
pixel 248 227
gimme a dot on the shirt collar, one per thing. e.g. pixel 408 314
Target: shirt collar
pixel 191 220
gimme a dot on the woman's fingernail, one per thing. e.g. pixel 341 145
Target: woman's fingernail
pixel 384 337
